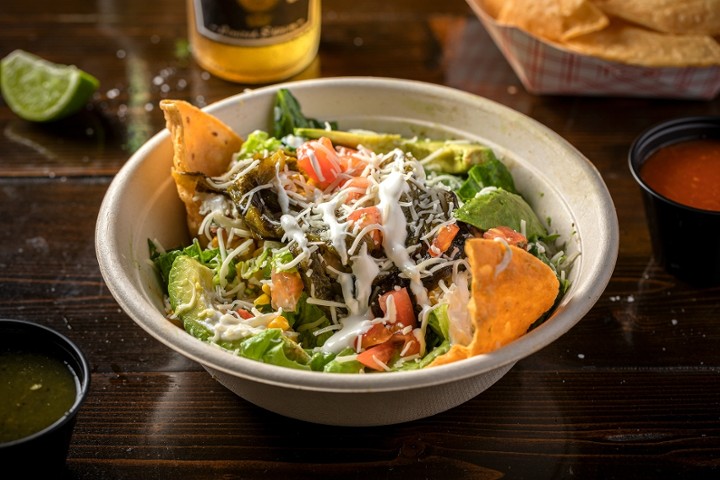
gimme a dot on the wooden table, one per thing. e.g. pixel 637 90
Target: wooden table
pixel 633 391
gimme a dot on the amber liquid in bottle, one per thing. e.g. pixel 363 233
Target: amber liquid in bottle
pixel 254 41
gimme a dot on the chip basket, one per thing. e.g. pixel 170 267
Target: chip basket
pixel 544 68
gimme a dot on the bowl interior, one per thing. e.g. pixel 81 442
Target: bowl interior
pixel 561 185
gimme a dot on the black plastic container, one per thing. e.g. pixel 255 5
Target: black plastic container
pixel 43 452
pixel 684 239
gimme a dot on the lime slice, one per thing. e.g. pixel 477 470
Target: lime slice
pixel 41 91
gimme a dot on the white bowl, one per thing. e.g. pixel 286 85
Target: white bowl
pixel 558 181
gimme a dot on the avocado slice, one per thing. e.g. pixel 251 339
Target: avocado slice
pixel 190 286
pixel 494 207
pixel 377 142
pixel 436 155
pixel 448 157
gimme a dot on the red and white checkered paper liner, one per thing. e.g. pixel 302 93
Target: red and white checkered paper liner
pixel 546 69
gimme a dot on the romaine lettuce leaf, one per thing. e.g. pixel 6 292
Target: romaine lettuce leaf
pixel 258 142
pixel 491 173
pixel 288 115
pixel 439 322
pixel 307 319
pixel 344 366
pixel 497 207
pixel 426 360
pixel 271 346
pixel 209 257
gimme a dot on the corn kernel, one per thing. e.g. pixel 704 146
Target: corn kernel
pixel 266 288
pixel 279 322
pixel 263 299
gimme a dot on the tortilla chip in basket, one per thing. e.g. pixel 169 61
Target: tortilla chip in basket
pixel 698 17
pixel 202 144
pixel 510 290
pixel 626 43
pixel 556 20
pixel 645 33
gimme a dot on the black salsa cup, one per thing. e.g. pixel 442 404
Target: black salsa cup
pixel 684 239
pixel 43 454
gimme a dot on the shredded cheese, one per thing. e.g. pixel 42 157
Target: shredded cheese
pixel 410 205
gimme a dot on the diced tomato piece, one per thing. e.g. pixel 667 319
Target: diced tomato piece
pixel 358 185
pixel 244 313
pixel 443 239
pixel 376 335
pixel 350 161
pixel 404 311
pixel 508 234
pixel 404 344
pixel 319 161
pixel 285 289
pixel 362 217
pixel 379 353
pixel 410 344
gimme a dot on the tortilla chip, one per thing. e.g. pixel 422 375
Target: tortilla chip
pixel 555 20
pixel 622 42
pixel 510 290
pixel 492 7
pixel 202 144
pixel 697 17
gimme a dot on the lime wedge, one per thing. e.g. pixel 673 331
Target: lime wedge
pixel 41 91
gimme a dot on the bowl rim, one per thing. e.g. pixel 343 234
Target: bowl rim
pixel 213 357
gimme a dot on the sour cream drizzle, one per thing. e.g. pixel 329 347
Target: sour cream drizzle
pixel 283 198
pixel 336 230
pixel 293 230
pixel 391 177
pixel 390 191
pixel 357 299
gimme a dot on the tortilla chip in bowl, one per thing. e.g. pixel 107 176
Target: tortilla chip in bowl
pixel 511 289
pixel 142 204
pixel 202 144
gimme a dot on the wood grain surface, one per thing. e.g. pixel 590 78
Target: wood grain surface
pixel 633 391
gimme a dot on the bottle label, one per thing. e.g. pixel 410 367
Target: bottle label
pixel 252 23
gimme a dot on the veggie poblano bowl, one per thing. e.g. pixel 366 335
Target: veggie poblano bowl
pixel 380 249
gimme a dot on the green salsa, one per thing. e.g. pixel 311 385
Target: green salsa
pixel 36 391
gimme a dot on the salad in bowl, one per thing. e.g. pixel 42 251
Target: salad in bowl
pixel 351 251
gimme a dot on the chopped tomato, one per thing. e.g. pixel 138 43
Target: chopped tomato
pixel 286 289
pixel 244 313
pixel 376 335
pixel 410 344
pixel 379 353
pixel 508 234
pixel 362 217
pixel 443 239
pixel 349 160
pixel 319 161
pixel 358 186
pixel 404 344
pixel 404 311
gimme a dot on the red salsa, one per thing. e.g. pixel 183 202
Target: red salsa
pixel 686 172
